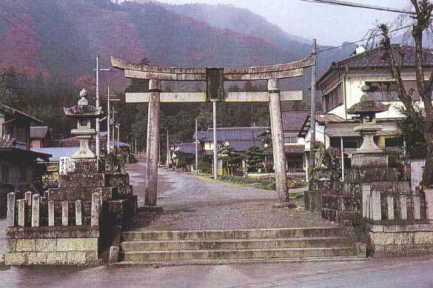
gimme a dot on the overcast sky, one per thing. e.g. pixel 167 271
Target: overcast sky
pixel 330 24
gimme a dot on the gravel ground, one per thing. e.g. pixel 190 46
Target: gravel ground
pixel 193 203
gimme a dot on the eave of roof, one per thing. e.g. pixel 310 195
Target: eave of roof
pixel 342 64
pixel 31 153
pixel 13 111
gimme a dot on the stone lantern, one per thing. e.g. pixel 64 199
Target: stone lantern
pixel 369 154
pixel 83 113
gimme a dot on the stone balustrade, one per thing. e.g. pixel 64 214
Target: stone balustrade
pixel 391 208
pixel 37 211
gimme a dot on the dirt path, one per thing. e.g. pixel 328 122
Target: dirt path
pixel 191 203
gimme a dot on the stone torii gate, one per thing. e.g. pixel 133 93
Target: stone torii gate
pixel 215 78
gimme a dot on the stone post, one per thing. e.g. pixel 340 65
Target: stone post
pixel 35 210
pixel 11 209
pixel 429 203
pixel 96 210
pixel 65 213
pixel 28 198
pixel 277 140
pixel 403 207
pixel 153 143
pixel 416 206
pixel 78 213
pixel 376 206
pixel 390 202
pixel 21 212
pixel 366 201
pixel 51 215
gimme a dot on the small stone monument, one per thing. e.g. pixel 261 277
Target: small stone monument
pixel 369 154
pixel 84 114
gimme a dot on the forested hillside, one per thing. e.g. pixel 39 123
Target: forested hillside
pixel 48 49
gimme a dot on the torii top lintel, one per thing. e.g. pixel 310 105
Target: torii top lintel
pixel 279 71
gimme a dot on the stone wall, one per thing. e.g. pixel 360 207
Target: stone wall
pixel 52 251
pixel 401 240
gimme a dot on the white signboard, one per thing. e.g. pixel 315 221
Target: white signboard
pixel 66 165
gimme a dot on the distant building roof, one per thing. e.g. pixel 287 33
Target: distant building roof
pixel 293 120
pixel 75 141
pixel 38 132
pixel 188 148
pixel 239 138
pixel 12 111
pixel 375 59
pixel 57 152
pixel 232 133
pixel 294 149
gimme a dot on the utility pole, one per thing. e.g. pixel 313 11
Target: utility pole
pixel 168 150
pixel 196 145
pixel 313 105
pixel 215 152
pixel 113 131
pixel 98 106
pixel 108 120
pixel 118 135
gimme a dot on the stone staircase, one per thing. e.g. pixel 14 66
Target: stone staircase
pixel 236 246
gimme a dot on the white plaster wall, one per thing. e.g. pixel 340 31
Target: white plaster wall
pixel 320 137
pixel 354 94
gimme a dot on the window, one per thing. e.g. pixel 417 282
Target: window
pixel 389 90
pixel 333 98
pixel 383 91
pixel 291 139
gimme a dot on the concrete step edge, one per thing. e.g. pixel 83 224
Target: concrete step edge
pixel 239 250
pixel 294 239
pixel 125 264
pixel 233 230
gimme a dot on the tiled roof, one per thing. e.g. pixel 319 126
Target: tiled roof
pixel 293 120
pixel 38 132
pixel 325 118
pixel 239 138
pixel 375 59
pixel 12 111
pixel 188 148
pixel 57 152
pixel 294 149
pixel 232 134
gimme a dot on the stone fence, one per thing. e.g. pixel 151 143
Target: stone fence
pixel 384 207
pixel 36 211
pixel 49 232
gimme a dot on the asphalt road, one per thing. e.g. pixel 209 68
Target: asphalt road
pixel 395 273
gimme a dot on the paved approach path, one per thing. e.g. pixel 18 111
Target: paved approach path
pixel 192 203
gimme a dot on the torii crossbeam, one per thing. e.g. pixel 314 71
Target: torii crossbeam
pixel 215 79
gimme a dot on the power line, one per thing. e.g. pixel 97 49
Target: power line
pixel 359 5
pixel 363 39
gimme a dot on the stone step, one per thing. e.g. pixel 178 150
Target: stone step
pixel 151 256
pixel 170 245
pixel 279 233
pixel 126 264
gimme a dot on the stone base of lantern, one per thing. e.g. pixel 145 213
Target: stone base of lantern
pixel 369 160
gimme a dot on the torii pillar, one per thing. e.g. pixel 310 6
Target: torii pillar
pixel 277 140
pixel 152 149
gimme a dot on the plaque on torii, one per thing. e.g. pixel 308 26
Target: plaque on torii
pixel 215 78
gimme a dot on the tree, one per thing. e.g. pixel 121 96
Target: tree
pixel 421 119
